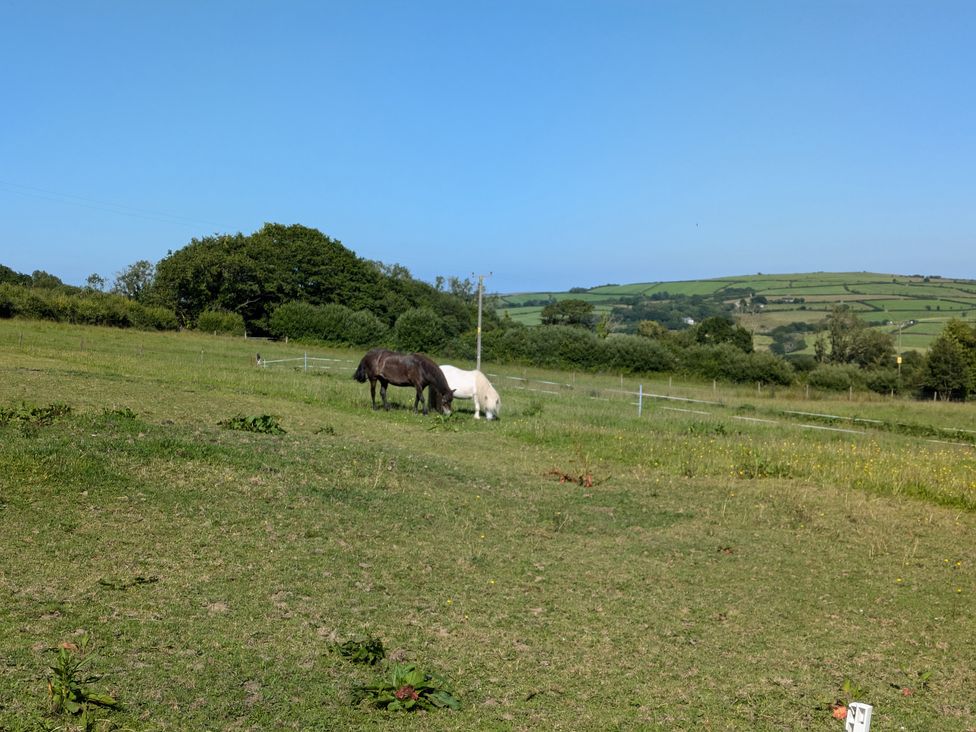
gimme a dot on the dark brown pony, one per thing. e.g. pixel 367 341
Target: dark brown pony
pixel 404 369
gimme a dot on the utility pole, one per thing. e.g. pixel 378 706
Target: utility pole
pixel 901 327
pixel 481 290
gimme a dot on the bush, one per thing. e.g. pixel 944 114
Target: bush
pixel 82 307
pixel 296 320
pixel 221 321
pixel 730 363
pixel 635 354
pixel 334 323
pixel 836 377
pixel 802 362
pixel 156 318
pixel 364 329
pixel 420 329
pixel 552 345
pixel 883 381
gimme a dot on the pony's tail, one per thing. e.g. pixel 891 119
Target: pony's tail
pixel 360 374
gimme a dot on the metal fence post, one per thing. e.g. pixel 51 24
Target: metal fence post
pixel 640 399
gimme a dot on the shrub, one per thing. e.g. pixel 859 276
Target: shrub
pixel 883 381
pixel 364 329
pixel 220 321
pixel 634 354
pixel 295 320
pixel 420 329
pixel 154 318
pixel 333 322
pixel 9 302
pixel 729 363
pixel 836 377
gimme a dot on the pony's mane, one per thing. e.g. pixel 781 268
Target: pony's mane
pixel 433 372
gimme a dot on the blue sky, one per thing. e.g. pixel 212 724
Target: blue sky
pixel 553 143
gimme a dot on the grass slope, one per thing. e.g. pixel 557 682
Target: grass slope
pixel 698 569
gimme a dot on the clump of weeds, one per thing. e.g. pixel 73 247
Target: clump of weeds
pixel 30 418
pixel 69 685
pixel 368 651
pixel 264 424
pixel 534 409
pixel 121 412
pixel 408 688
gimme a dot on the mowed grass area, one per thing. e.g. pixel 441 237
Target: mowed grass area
pixel 707 571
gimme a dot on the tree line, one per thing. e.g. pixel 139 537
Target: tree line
pixel 295 282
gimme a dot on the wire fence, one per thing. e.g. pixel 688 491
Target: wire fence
pixel 304 362
pixel 641 399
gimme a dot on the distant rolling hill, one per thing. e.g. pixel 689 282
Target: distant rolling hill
pixel 914 307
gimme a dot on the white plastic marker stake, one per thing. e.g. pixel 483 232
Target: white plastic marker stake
pixel 858 717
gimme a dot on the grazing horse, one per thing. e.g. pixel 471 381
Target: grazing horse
pixel 473 385
pixel 404 369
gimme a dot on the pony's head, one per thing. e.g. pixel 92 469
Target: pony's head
pixel 493 403
pixel 444 401
pixel 490 401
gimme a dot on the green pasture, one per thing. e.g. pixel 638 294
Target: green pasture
pixel 742 561
pixel 877 297
pixel 920 305
pixel 532 314
pixel 526 315
pixel 912 289
pixel 914 340
pixel 808 290
pixel 517 300
pixel 769 318
pixel 760 283
pixel 932 326
pixel 636 289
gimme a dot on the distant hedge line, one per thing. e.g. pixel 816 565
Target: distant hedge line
pixel 569 347
pixel 555 346
pixel 84 307
pixel 422 329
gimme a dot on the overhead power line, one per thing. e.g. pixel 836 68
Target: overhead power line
pixel 106 206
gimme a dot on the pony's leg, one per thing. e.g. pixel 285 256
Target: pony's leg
pixel 477 407
pixel 383 385
pixel 372 391
pixel 420 399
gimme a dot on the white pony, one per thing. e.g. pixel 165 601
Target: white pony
pixel 474 385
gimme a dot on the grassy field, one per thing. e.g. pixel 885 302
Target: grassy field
pixel 721 564
pixel 884 300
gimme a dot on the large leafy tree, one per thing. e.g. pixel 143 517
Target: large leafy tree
pixel 12 277
pixel 716 329
pixel 568 312
pixel 950 369
pixel 46 280
pixel 135 280
pixel 848 339
pixel 254 274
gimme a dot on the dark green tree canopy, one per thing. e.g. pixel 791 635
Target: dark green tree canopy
pixel 950 369
pixel 11 277
pixel 253 274
pixel 568 312
pixel 717 329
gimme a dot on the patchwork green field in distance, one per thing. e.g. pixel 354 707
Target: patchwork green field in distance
pixel 740 562
pixel 916 306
